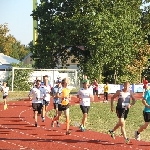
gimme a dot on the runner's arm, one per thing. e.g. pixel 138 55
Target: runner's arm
pixel 30 94
pixel 113 97
pixel 133 98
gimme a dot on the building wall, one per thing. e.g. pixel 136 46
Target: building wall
pixel 28 60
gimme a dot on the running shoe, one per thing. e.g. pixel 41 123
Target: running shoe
pixel 137 136
pixel 68 132
pixel 112 134
pixel 127 140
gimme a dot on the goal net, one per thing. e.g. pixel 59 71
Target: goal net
pixel 22 79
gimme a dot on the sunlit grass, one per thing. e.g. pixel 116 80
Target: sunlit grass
pixel 101 119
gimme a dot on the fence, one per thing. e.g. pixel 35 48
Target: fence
pixel 18 74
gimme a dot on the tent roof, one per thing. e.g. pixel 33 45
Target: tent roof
pixel 7 60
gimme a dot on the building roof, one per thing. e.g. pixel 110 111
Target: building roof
pixel 28 55
pixel 5 67
pixel 7 60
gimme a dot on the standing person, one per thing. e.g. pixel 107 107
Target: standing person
pixel 145 85
pixel 37 94
pixel 63 105
pixel 146 114
pixel 56 100
pixel 122 109
pixel 95 87
pixel 5 90
pixel 85 96
pixel 106 89
pixel 46 101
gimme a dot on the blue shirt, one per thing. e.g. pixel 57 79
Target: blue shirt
pixel 56 90
pixel 147 98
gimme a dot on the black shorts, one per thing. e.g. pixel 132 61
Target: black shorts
pixel 146 116
pixel 4 97
pixel 122 113
pixel 46 103
pixel 55 105
pixel 62 107
pixel 85 109
pixel 37 107
pixel 95 92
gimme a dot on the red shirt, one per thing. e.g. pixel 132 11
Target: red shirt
pixel 145 82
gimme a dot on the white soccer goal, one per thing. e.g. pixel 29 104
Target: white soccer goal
pixel 53 74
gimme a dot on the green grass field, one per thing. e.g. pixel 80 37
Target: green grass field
pixel 101 119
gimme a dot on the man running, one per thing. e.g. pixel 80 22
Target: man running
pixel 38 94
pixel 4 90
pixel 146 114
pixel 56 89
pixel 46 101
pixel 63 105
pixel 122 108
pixel 85 95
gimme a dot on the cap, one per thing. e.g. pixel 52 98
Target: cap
pixel 85 81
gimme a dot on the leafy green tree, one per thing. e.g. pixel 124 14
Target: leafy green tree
pixel 110 32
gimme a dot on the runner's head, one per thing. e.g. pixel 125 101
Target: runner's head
pixel 58 82
pixel 64 82
pixel 85 84
pixel 38 83
pixel 45 79
pixel 126 86
pixel 4 83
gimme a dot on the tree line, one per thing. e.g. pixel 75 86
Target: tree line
pixel 10 46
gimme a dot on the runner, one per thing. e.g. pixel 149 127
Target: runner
pixel 38 94
pixel 122 109
pixel 4 90
pixel 63 105
pixel 146 114
pixel 106 89
pixel 85 95
pixel 95 87
pixel 55 90
pixel 46 101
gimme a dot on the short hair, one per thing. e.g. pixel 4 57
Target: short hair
pixel 64 81
pixel 38 81
pixel 46 76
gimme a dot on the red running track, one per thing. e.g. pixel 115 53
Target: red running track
pixel 17 132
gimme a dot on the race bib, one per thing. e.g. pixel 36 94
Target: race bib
pixel 125 105
pixel 65 102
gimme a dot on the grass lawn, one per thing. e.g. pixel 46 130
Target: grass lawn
pixel 101 119
pixel 15 95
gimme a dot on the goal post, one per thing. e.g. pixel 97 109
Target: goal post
pixel 23 78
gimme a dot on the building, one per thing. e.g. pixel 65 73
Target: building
pixel 28 60
pixel 6 61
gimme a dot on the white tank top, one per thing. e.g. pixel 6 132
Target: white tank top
pixel 123 99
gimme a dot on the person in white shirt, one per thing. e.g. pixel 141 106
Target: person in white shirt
pixel 46 101
pixel 37 94
pixel 85 96
pixel 4 90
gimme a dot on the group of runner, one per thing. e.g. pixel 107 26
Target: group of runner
pixel 41 92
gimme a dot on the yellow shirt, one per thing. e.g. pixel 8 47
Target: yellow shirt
pixel 65 95
pixel 106 88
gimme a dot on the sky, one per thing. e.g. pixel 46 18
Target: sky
pixel 16 13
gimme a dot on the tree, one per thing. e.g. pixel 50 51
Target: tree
pixel 109 31
pixel 10 46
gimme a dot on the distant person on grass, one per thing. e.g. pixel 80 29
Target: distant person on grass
pixel 106 90
pixel 122 109
pixel 146 114
pixel 37 94
pixel 5 90
pixel 95 87
pixel 46 101
pixel 85 95
pixel 63 105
